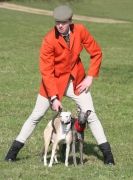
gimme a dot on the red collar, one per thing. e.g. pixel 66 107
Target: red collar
pixel 78 127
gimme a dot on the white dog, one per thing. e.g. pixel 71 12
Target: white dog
pixel 63 128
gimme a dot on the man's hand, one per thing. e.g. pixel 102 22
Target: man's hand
pixel 56 105
pixel 85 84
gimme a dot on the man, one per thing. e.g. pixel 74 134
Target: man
pixel 63 74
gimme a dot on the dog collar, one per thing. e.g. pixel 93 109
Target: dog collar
pixel 78 127
pixel 66 123
pixel 66 127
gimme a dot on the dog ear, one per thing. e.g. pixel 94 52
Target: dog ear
pixel 88 112
pixel 79 109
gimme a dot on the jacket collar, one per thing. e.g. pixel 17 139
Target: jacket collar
pixel 61 40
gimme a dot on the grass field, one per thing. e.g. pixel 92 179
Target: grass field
pixel 20 38
pixel 120 9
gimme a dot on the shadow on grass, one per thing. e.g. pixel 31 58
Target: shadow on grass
pixel 88 150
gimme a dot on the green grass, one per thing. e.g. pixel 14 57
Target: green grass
pixel 120 9
pixel 20 38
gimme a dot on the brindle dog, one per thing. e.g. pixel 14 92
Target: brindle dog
pixel 78 134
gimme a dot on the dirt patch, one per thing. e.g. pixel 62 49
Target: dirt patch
pixel 50 13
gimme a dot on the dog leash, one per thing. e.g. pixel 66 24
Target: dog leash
pixel 53 119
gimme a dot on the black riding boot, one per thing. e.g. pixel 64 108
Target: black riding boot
pixel 107 154
pixel 13 151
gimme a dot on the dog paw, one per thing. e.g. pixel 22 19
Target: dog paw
pixel 75 164
pixel 66 164
pixel 56 162
pixel 45 163
pixel 50 165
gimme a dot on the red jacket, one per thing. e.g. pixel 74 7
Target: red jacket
pixel 58 61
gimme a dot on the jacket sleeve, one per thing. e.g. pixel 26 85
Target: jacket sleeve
pixel 47 67
pixel 94 50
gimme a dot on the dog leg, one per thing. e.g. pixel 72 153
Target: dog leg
pixel 45 159
pixel 74 148
pixel 67 154
pixel 81 152
pixel 68 144
pixel 47 138
pixel 53 154
pixel 55 157
pixel 45 154
pixel 81 147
